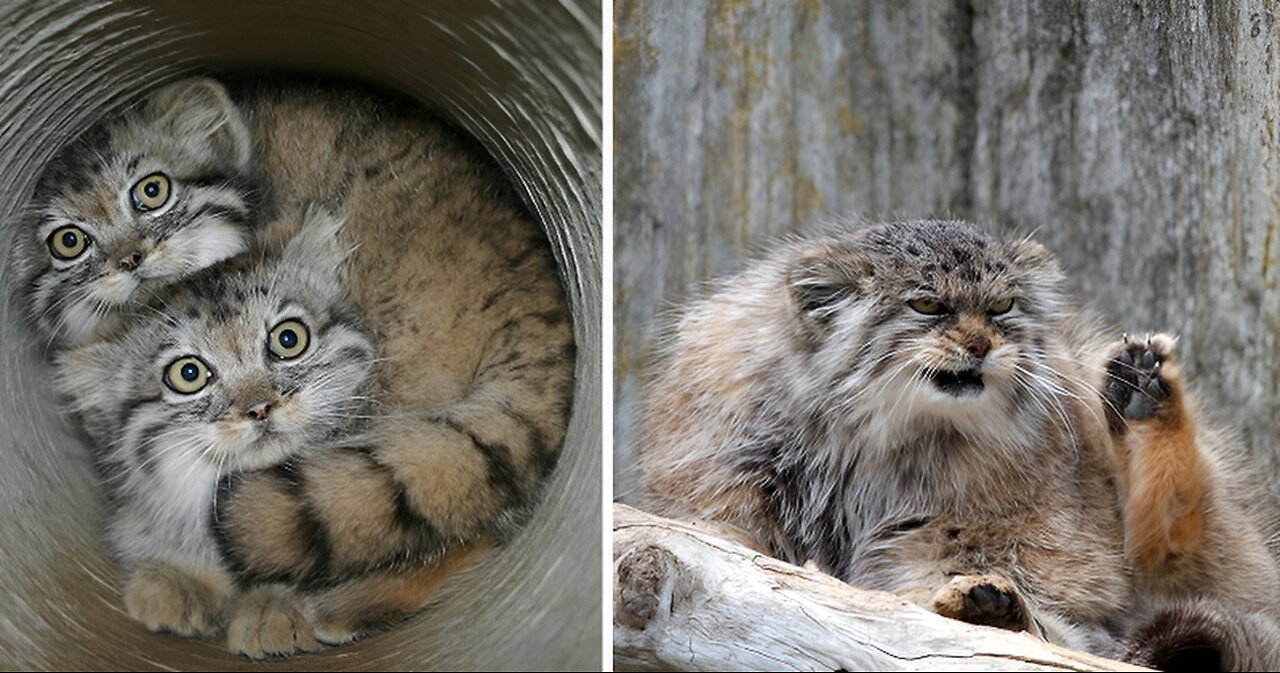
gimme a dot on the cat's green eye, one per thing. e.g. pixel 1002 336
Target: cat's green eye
pixel 151 192
pixel 1000 307
pixel 289 339
pixel 187 375
pixel 68 242
pixel 927 306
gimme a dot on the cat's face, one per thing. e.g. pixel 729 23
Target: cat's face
pixel 137 203
pixel 239 371
pixel 928 322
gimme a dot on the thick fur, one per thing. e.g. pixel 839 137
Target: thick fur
pixel 804 402
pixel 917 407
pixel 163 452
pixel 188 131
pixel 476 355
pixel 1206 635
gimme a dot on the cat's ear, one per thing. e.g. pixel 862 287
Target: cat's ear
pixel 199 111
pixel 316 238
pixel 81 381
pixel 313 257
pixel 1030 255
pixel 822 278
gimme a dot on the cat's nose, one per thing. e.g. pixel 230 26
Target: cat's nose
pixel 978 346
pixel 131 261
pixel 259 411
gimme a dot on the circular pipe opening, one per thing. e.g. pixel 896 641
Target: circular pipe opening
pixel 525 81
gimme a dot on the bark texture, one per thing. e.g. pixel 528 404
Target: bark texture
pixel 686 599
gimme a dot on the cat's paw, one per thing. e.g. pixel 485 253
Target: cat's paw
pixel 988 600
pixel 165 598
pixel 269 621
pixel 1142 376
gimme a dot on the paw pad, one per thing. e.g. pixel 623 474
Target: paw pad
pixel 1137 382
pixel 982 599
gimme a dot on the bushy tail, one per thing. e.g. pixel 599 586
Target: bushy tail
pixel 1204 635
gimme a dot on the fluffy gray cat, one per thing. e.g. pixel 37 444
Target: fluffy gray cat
pixel 244 370
pixel 137 202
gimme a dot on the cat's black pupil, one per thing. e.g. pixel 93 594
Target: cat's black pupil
pixel 190 372
pixel 69 239
pixel 151 189
pixel 288 338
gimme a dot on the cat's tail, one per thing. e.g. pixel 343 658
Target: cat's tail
pixel 1205 635
pixel 381 599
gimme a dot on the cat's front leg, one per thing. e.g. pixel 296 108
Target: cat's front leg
pixel 270 620
pixel 164 597
pixel 1154 433
pixel 986 600
pixel 994 600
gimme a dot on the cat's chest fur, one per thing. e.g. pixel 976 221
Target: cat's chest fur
pixel 843 501
pixel 165 506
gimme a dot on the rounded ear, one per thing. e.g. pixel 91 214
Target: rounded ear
pixel 316 238
pixel 313 259
pixel 1030 254
pixel 92 380
pixel 200 111
pixel 819 279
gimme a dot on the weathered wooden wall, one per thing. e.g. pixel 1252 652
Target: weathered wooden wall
pixel 1138 139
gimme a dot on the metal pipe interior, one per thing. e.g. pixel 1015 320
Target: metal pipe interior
pixel 525 80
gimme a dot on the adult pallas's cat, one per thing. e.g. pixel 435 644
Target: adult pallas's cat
pixel 917 407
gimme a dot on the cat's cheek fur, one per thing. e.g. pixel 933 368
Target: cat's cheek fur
pixel 78 320
pixel 116 288
pixel 200 245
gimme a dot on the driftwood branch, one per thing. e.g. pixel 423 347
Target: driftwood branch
pixel 687 599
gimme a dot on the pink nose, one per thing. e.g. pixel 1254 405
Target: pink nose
pixel 259 411
pixel 979 346
pixel 131 261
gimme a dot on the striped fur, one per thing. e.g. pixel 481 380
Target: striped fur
pixel 476 354
pixel 825 402
pixel 189 132
pixel 163 451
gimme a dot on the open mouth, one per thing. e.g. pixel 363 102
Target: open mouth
pixel 963 383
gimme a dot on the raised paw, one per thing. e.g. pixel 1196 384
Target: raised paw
pixel 1141 378
pixel 165 598
pixel 269 621
pixel 988 600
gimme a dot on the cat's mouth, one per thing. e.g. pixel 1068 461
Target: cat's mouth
pixel 961 383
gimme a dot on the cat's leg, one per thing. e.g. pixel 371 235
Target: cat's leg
pixel 185 601
pixel 269 620
pixel 279 620
pixel 1154 433
pixel 993 600
pixel 988 600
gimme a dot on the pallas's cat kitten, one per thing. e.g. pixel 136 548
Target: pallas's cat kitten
pixel 457 283
pixel 137 202
pixel 244 370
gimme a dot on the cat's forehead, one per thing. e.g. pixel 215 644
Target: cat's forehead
pixel 97 167
pixel 952 259
pixel 226 311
